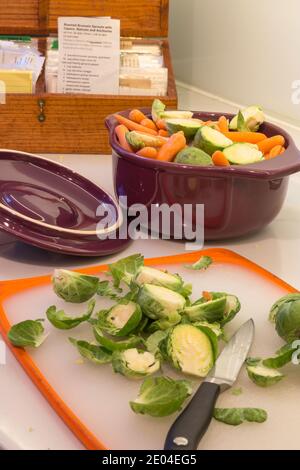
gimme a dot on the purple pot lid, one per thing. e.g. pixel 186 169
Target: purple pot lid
pixel 52 198
pixel 79 246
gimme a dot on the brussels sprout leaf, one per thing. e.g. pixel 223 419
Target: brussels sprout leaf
pixel 126 269
pixel 203 263
pixel 283 357
pixel 236 416
pixel 60 320
pixel 29 333
pixel 153 341
pixel 93 353
pixel 105 290
pixel 161 396
pixel 74 287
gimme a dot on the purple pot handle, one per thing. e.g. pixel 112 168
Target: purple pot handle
pixel 278 167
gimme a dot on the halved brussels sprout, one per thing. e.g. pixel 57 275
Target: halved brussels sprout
pixel 135 363
pixel 74 287
pixel 121 319
pixel 262 375
pixel 249 119
pixel 160 303
pixel 147 275
pixel 114 345
pixel 190 350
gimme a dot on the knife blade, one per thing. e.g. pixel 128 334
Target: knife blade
pixel 192 423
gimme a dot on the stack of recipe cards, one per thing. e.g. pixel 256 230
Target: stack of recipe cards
pixel 89 55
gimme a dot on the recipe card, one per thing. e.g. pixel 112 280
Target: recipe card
pixel 89 55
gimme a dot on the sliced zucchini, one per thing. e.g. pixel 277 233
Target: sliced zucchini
pixel 210 140
pixel 243 154
pixel 176 115
pixel 188 126
pixel 193 156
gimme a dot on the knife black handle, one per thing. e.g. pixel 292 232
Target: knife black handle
pixel 192 423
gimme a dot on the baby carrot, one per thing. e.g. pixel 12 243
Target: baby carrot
pixel 161 124
pixel 266 145
pixel 149 124
pixel 163 133
pixel 133 126
pixel 207 295
pixel 249 137
pixel 277 150
pixel 169 151
pixel 121 134
pixel 223 124
pixel 137 116
pixel 219 159
pixel 149 152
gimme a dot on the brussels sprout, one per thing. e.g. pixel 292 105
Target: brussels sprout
pixel 190 349
pixel 161 396
pixel 28 333
pixel 113 345
pixel 74 287
pixel 60 320
pixel 135 363
pixel 211 311
pixel 203 263
pixel 153 341
pixel 193 156
pixel 121 319
pixel 249 119
pixel 106 290
pixel 158 107
pixel 262 375
pixel 214 327
pixel 126 269
pixel 138 140
pixel 283 357
pixel 233 306
pixel 287 320
pixel 147 275
pixel 160 303
pixel 210 140
pixel 243 154
pixel 236 416
pixel 285 299
pixel 92 352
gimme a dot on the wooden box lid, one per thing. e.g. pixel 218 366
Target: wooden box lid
pixel 141 18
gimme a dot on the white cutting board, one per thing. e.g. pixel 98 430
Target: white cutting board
pixel 100 398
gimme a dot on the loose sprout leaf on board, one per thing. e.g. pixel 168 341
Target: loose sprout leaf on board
pixel 60 320
pixel 92 352
pixel 237 416
pixel 236 391
pixel 161 396
pixel 203 263
pixel 28 333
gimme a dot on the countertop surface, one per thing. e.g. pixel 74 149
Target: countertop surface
pixel 27 421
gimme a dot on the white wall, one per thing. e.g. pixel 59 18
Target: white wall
pixel 247 51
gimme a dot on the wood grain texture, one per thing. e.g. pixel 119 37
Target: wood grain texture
pixel 138 17
pixel 20 17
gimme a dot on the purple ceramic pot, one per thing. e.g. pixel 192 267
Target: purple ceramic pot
pixel 238 199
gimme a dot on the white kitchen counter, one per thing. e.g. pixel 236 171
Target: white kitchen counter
pixel 26 419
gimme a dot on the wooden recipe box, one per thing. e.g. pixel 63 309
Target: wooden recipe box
pixel 75 123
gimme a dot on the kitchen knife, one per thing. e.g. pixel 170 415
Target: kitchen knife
pixel 192 423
